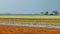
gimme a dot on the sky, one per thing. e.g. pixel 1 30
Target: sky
pixel 28 6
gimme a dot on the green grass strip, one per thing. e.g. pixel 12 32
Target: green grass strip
pixel 35 17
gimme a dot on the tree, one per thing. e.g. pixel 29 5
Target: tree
pixel 46 13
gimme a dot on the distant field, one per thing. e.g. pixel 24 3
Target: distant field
pixel 19 21
pixel 35 17
pixel 29 21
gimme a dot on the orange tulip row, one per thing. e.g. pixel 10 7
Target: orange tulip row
pixel 26 30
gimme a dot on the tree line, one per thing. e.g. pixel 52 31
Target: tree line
pixel 53 13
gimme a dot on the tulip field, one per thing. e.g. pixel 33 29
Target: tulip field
pixel 33 20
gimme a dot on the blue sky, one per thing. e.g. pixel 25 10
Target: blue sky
pixel 28 6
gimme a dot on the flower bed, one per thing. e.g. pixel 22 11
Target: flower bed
pixel 26 30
